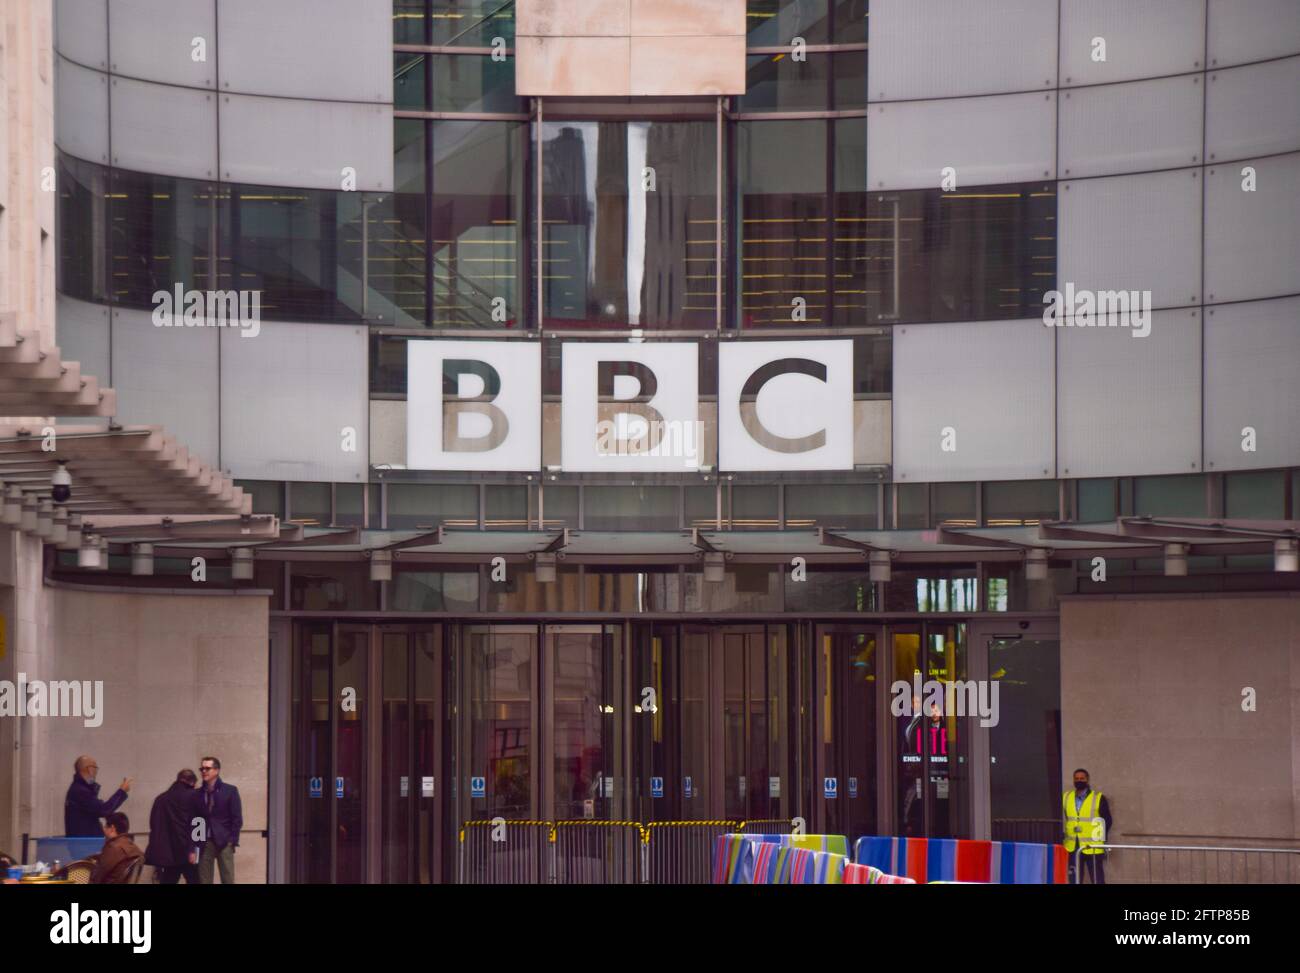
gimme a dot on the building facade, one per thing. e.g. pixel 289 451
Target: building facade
pixel 645 389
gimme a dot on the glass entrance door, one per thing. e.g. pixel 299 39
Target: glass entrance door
pixel 757 779
pixel 586 713
pixel 498 774
pixel 413 748
pixel 931 745
pixel 1024 760
pixel 845 772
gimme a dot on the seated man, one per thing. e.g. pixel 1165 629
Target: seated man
pixel 114 862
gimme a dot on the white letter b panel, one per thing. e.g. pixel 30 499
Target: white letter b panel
pixel 473 405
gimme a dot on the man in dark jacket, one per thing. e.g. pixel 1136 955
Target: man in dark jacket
pixel 172 849
pixel 114 864
pixel 223 819
pixel 82 808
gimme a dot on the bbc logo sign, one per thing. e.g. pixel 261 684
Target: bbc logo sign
pixel 630 407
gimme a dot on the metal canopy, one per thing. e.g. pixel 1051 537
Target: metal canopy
pixel 848 548
pixel 132 470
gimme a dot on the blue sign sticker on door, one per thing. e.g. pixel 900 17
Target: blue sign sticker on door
pixel 338 786
pixel 315 787
pixel 478 787
pixel 830 788
pixel 853 787
pixel 688 787
pixel 656 787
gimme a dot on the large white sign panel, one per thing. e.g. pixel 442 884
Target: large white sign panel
pixel 630 408
pixel 785 405
pixel 473 405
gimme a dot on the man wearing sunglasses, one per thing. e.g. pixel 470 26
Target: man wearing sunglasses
pixel 223 818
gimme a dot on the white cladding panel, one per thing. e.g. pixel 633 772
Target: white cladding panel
pixel 973 401
pixel 941 48
pixel 1138 233
pixel 1252 239
pixel 167 376
pixel 306 144
pixel 339 50
pixel 81 111
pixel 1134 127
pixel 1127 405
pixel 1240 32
pixel 1143 39
pixel 292 399
pixel 1253 110
pixel 176 47
pixel 1251 352
pixel 163 129
pixel 998 139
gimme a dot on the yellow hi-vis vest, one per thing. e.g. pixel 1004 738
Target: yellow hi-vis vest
pixel 1086 826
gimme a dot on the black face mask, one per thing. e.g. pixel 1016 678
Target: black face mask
pixel 1080 785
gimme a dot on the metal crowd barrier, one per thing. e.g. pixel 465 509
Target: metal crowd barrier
pixel 595 852
pixel 767 826
pixel 1195 864
pixel 514 855
pixel 681 852
pixel 588 852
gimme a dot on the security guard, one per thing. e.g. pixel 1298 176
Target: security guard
pixel 1085 809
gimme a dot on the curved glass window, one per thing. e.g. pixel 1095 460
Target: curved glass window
pixel 163 231
pixel 83 256
pixel 982 254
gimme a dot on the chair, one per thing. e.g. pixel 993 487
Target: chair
pixel 78 872
pixel 133 875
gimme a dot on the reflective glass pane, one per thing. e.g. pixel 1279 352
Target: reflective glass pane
pixel 351 670
pixel 421 506
pixel 499 737
pixel 630 212
pixel 474 82
pixel 1259 496
pixel 852 506
pixel 586 698
pixel 309 503
pixel 783 203
pixel 777 22
pixel 780 82
pixel 300 248
pixel 433 591
pixel 477 206
pixel 630 508
pixel 953 504
pixel 850 21
pixel 409 81
pixel 161 233
pixel 1020 502
pixel 83 255
pixel 1025 742
pixel 848 737
pixel 410 21
pixel 984 254
pixel 1169 496
pixel 472 23
pixel 1096 501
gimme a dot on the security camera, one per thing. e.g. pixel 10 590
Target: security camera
pixel 61 483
